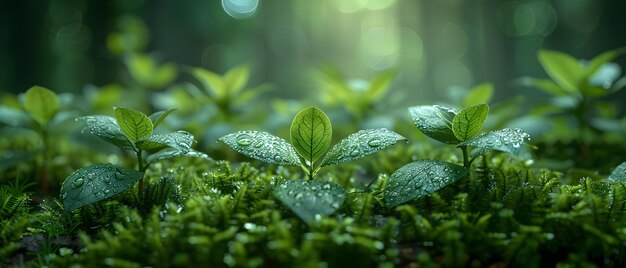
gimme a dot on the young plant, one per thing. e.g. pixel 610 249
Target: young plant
pixel 446 125
pixel 130 130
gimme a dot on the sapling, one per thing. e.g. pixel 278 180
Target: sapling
pixel 130 130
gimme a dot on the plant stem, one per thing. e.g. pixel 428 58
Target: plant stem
pixel 44 180
pixel 466 162
pixel 142 169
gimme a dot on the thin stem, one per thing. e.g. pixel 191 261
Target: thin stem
pixel 142 169
pixel 466 161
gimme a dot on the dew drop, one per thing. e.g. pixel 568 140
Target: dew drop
pixel 244 140
pixel 326 186
pixel 355 153
pixel 374 142
pixel 299 196
pixel 78 182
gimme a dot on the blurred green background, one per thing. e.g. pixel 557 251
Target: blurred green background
pixel 65 45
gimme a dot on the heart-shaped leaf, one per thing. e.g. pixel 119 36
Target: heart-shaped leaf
pixel 134 124
pixel 106 128
pixel 360 144
pixel 468 122
pixel 506 140
pixel 310 198
pixel 311 133
pixel 262 146
pixel 159 116
pixel 419 179
pixel 435 122
pixel 94 183
pixel 619 173
pixel 179 140
pixel 171 153
pixel 41 103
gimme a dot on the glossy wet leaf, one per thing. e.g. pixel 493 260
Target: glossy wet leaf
pixel 311 133
pixel 310 198
pixel 159 116
pixel 435 122
pixel 479 94
pixel 360 144
pixel 41 103
pixel 106 128
pixel 619 173
pixel 506 140
pixel 172 153
pixel 94 183
pixel 565 70
pixel 420 178
pixel 134 124
pixel 468 122
pixel 262 146
pixel 179 140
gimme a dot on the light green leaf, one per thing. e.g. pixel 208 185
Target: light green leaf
pixel 310 198
pixel 418 179
pixel 212 82
pixel 435 122
pixel 179 140
pixel 380 85
pixel 134 124
pixel 172 153
pixel 94 183
pixel 506 140
pixel 549 87
pixel 481 93
pixel 563 69
pixel 41 103
pixel 360 144
pixel 468 122
pixel 237 78
pixel 159 116
pixel 262 146
pixel 619 173
pixel 106 128
pixel 311 133
pixel 596 63
pixel 250 94
pixel 605 76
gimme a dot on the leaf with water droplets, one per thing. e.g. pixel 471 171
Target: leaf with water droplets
pixel 468 122
pixel 262 146
pixel 179 140
pixel 94 183
pixel 134 124
pixel 106 128
pixel 619 173
pixel 508 140
pixel 419 179
pixel 435 122
pixel 360 144
pixel 171 153
pixel 311 133
pixel 310 198
pixel 41 103
pixel 159 116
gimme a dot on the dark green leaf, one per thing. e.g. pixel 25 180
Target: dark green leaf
pixel 506 140
pixel 9 158
pixel 563 69
pixel 311 133
pixel 171 153
pixel 360 144
pixel 468 122
pixel 619 173
pixel 107 129
pixel 262 146
pixel 479 94
pixel 435 122
pixel 310 198
pixel 13 117
pixel 179 140
pixel 159 116
pixel 94 183
pixel 134 124
pixel 41 103
pixel 419 179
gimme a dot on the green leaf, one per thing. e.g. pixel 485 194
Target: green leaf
pixel 435 122
pixel 14 117
pixel 548 86
pixel 310 198
pixel 172 153
pixel 212 82
pixel 106 128
pixel 41 103
pixel 619 173
pixel 563 69
pixel 134 124
pixel 11 158
pixel 479 94
pixel 237 78
pixel 598 61
pixel 360 144
pixel 605 76
pixel 380 85
pixel 179 140
pixel 250 94
pixel 311 133
pixel 507 140
pixel 94 183
pixel 418 179
pixel 468 122
pixel 262 146
pixel 159 116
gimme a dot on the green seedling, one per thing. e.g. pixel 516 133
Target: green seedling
pixel 130 130
pixel 446 125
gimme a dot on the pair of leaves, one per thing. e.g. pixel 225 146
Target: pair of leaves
pixel 307 199
pixel 311 134
pixel 228 89
pixel 41 104
pixel 148 73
